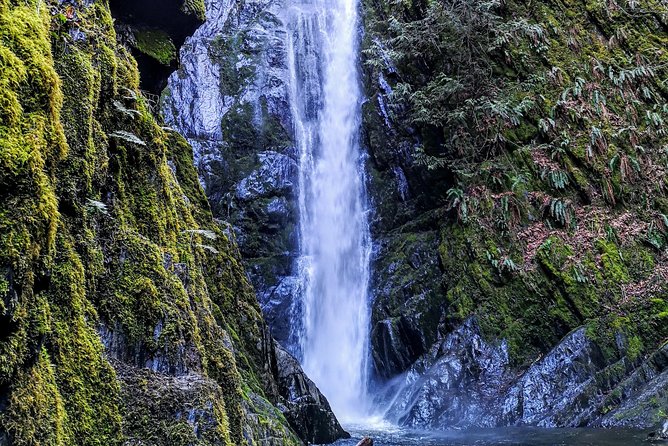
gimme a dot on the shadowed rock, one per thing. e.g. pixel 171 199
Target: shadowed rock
pixel 307 410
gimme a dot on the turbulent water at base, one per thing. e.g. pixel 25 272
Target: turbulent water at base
pixel 334 237
pixel 512 436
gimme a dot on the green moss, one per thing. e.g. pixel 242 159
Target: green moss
pixel 35 412
pixel 101 236
pixel 614 269
pixel 157 44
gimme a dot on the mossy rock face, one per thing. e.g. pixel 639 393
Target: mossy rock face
pixel 115 281
pixel 155 32
pixel 195 7
pixel 538 145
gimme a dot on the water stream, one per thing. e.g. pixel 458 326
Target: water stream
pixel 386 435
pixel 334 236
pixel 309 63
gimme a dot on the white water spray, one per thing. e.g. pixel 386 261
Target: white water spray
pixel 334 234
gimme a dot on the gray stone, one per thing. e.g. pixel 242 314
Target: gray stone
pixel 306 409
pixel 464 381
pixel 278 306
pixel 275 175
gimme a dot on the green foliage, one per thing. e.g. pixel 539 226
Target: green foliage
pixel 560 211
pixel 195 7
pixel 127 137
pixel 502 264
pixel 540 127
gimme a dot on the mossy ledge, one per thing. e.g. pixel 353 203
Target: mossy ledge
pixel 116 284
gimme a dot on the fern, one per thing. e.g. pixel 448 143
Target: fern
pixel 211 249
pixel 545 125
pixel 457 201
pixel 608 191
pixel 503 264
pixel 655 237
pixel 597 140
pixel 517 181
pixel 130 94
pixel 560 211
pixel 128 137
pixel 626 165
pixel 203 232
pixel 124 110
pixel 96 206
pixel 579 274
pixel 557 179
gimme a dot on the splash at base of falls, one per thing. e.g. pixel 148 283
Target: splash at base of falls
pixel 509 436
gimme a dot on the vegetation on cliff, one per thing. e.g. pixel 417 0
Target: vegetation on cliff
pixel 116 284
pixel 538 130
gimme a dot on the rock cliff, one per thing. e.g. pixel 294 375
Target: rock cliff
pixel 126 316
pixel 517 161
pixel 229 98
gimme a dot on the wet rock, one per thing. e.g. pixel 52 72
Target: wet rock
pixel 640 396
pixel 230 99
pixel 306 409
pixel 366 441
pixel 396 344
pixel 407 300
pixel 278 209
pixel 660 435
pixel 464 381
pixel 548 393
pixel 160 403
pixel 278 305
pixel 275 176
pixel 166 356
pixel 454 384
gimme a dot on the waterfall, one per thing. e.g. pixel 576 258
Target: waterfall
pixel 334 235
pixel 293 64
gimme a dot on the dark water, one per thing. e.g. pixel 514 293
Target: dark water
pixel 499 437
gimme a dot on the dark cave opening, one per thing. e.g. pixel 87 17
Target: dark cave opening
pixel 167 16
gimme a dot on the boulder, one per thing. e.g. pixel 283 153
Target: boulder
pixel 660 435
pixel 306 409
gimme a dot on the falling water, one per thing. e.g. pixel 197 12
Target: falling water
pixel 334 236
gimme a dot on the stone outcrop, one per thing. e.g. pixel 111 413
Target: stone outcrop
pixel 465 381
pixel 154 33
pixel 230 99
pixel 305 408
